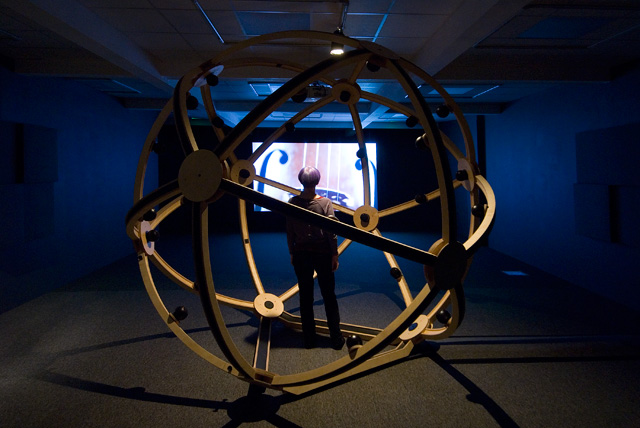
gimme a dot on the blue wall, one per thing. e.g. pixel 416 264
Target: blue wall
pixel 534 154
pixel 68 221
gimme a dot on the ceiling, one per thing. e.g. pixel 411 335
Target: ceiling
pixel 487 53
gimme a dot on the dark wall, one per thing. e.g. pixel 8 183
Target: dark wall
pixel 563 165
pixel 403 171
pixel 69 156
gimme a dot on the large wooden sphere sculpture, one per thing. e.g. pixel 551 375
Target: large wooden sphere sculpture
pixel 434 313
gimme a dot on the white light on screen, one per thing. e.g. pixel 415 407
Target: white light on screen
pixel 338 164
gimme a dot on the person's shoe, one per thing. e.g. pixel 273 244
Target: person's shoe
pixel 310 342
pixel 337 343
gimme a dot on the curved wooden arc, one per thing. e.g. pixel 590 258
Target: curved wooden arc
pixel 364 160
pixel 173 324
pixel 372 363
pixel 295 119
pixel 146 203
pixel 246 246
pixel 210 303
pixel 146 151
pixel 400 108
pixel 373 353
pixel 356 71
pixel 402 281
pixel 181 116
pixel 473 243
pixel 277 98
pixel 443 172
pixel 453 106
pixel 172 274
pixel 412 204
pixel 209 107
pixel 368 350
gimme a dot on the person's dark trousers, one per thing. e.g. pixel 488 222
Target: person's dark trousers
pixel 304 264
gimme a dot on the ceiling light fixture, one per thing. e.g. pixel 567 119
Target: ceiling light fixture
pixel 336 47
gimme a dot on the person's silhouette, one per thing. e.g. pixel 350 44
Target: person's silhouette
pixel 312 248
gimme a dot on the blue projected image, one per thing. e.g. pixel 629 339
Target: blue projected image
pixel 341 170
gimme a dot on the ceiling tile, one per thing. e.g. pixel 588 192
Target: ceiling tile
pixel 179 38
pixel 216 4
pixel 420 26
pixel 188 21
pixel 160 41
pixel 121 4
pixel 369 6
pixel 226 23
pixel 516 26
pixel 136 20
pixel 403 46
pixel 362 25
pixel 174 4
pixel 297 54
pixel 258 23
pixel 328 22
pixel 427 7
pixel 203 42
pixel 328 6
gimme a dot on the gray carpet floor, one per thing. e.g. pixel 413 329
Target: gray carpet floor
pixel 533 351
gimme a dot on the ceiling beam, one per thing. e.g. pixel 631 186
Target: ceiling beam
pixel 471 23
pixel 388 90
pixel 76 23
pixel 519 66
pixel 374 115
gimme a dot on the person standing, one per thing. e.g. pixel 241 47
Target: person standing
pixel 314 249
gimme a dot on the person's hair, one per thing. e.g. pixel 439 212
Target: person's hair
pixel 309 176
